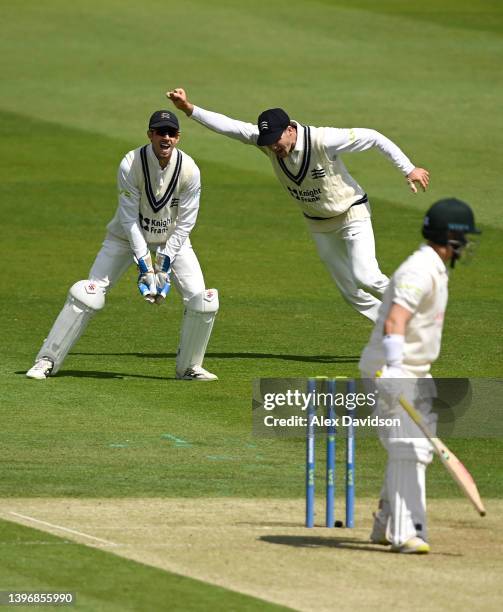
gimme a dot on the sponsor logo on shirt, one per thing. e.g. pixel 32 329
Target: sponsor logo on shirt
pixel 305 195
pixel 318 172
pixel 154 226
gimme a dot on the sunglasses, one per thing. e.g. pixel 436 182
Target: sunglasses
pixel 169 131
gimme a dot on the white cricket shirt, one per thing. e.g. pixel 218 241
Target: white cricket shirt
pixel 420 286
pixel 157 206
pixel 313 173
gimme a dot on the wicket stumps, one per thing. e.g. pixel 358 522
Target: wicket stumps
pixel 350 467
pixel 310 457
pixel 330 481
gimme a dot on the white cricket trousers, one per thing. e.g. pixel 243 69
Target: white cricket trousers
pixel 402 504
pixel 115 257
pixel 349 254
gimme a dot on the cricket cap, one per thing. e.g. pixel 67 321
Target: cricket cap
pixel 271 124
pixel 163 119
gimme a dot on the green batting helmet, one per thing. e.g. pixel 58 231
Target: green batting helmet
pixel 449 218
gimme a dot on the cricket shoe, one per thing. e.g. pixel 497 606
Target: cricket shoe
pixel 414 546
pixel 196 373
pixel 42 369
pixel 378 534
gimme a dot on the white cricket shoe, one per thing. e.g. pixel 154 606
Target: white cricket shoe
pixel 196 373
pixel 42 369
pixel 378 534
pixel 414 546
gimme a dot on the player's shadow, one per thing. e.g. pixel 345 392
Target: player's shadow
pixel 103 375
pixel 285 357
pixel 324 542
pixel 341 542
pixel 118 375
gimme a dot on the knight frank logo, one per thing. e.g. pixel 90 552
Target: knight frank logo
pixel 294 192
pixel 318 172
pixel 305 195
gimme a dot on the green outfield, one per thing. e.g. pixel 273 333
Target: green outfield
pixel 78 84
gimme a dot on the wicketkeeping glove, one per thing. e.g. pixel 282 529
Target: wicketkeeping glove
pixel 146 278
pixel 162 265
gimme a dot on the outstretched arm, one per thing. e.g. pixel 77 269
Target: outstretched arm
pixel 354 140
pixel 239 130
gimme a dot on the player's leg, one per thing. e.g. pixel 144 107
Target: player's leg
pixel 333 251
pixel 84 299
pixel 360 244
pixel 409 453
pixel 380 527
pixel 201 307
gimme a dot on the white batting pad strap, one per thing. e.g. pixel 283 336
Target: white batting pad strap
pixel 84 299
pixel 198 319
pixel 407 497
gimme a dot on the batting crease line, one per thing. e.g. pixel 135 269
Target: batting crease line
pixel 85 535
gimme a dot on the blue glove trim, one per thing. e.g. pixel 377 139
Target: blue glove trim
pixel 143 289
pixel 165 290
pixel 165 262
pixel 142 266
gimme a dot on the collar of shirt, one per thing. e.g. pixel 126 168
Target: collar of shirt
pixel 295 155
pixel 436 260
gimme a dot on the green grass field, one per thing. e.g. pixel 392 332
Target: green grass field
pixel 79 82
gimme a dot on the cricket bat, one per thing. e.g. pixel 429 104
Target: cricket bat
pixel 451 463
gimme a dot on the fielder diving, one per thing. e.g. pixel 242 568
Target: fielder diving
pixel 159 188
pixel 405 342
pixel 307 163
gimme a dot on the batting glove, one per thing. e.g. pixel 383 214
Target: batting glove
pixel 163 285
pixel 146 278
pixel 392 382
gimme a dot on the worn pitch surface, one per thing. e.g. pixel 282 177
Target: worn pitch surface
pixel 259 547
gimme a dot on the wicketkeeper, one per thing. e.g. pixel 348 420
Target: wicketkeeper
pixel 158 189
pixel 405 342
pixel 307 162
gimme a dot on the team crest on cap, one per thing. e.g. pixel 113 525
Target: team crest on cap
pixel 165 115
pixel 263 125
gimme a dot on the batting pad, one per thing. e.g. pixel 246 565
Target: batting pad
pixel 84 299
pixel 407 496
pixel 198 319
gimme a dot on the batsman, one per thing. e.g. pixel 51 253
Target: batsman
pixel 405 342
pixel 158 202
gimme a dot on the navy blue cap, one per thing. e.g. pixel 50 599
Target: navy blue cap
pixel 271 124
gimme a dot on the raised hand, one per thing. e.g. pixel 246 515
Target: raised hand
pixel 179 99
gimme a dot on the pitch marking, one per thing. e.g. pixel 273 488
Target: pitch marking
pixel 177 441
pixel 79 533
